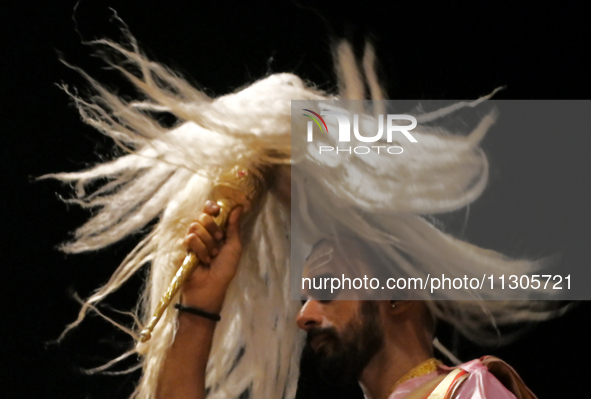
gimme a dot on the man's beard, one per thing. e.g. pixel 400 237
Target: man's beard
pixel 340 358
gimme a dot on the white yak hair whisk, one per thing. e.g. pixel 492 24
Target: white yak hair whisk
pixel 166 174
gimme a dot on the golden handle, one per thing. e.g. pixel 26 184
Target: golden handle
pixel 189 264
pixel 237 187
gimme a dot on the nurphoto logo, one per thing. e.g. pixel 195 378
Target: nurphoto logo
pixel 344 131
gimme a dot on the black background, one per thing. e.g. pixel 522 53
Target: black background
pixel 536 203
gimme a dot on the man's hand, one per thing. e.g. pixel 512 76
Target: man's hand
pixel 218 256
pixel 183 373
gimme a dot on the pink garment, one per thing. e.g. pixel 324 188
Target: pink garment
pixel 480 384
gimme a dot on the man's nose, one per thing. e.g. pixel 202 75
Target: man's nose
pixel 310 316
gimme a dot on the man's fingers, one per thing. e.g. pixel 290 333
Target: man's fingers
pixel 204 235
pixel 211 208
pixel 211 226
pixel 199 230
pixel 196 245
pixel 233 230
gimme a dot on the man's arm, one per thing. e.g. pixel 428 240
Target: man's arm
pixel 183 373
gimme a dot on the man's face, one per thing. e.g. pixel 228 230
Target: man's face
pixel 343 336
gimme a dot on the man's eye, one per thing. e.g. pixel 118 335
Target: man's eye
pixel 325 296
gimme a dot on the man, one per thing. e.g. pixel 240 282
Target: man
pixel 385 345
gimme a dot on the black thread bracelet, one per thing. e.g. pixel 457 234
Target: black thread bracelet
pixel 198 312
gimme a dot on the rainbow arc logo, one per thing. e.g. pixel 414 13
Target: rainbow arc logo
pixel 316 120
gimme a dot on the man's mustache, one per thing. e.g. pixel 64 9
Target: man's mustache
pixel 328 332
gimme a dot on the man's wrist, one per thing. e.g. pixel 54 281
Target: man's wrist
pixel 201 300
pixel 198 312
pixel 190 324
